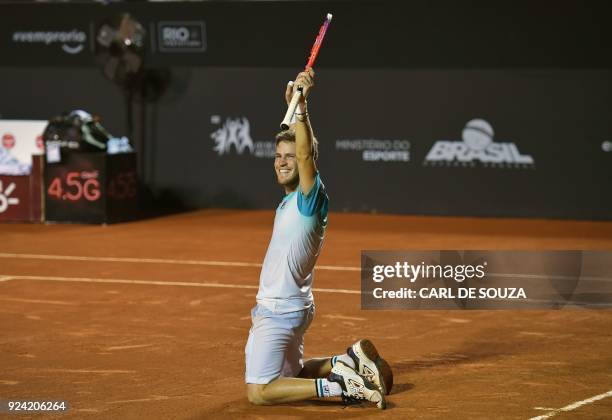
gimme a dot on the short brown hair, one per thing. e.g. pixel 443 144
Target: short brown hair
pixel 289 136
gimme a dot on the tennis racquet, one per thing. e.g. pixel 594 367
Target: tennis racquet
pixel 311 60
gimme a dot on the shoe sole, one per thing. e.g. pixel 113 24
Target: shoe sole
pixel 387 374
pixel 367 349
pixel 382 404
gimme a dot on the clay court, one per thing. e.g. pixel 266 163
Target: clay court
pixel 149 320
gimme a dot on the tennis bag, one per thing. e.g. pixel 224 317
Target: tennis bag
pixel 77 131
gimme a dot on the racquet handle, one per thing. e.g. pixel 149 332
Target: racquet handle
pixel 291 109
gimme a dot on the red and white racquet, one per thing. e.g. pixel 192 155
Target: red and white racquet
pixel 311 60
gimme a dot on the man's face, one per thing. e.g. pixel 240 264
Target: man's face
pixel 285 165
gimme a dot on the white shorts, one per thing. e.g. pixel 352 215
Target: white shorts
pixel 276 344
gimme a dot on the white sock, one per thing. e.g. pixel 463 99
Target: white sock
pixel 326 388
pixel 344 358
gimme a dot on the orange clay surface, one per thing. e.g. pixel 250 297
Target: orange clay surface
pixel 153 323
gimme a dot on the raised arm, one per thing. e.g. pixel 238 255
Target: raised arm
pixel 304 137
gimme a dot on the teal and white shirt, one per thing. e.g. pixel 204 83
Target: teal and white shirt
pixel 285 282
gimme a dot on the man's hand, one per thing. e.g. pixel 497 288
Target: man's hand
pixel 305 81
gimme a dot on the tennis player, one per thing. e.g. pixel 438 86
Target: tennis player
pixel 275 371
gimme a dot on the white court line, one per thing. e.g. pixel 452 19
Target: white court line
pixel 4 278
pixel 247 264
pixel 573 406
pixel 163 283
pixel 157 261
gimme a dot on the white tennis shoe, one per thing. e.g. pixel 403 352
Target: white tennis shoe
pixel 368 363
pixel 356 388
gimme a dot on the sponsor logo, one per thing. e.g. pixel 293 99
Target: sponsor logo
pixel 8 141
pixel 234 136
pixel 377 150
pixel 356 388
pixel 477 145
pixel 182 36
pixel 72 42
pixel 368 371
pixel 5 197
pixel 606 146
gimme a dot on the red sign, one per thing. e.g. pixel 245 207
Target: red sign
pixel 8 141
